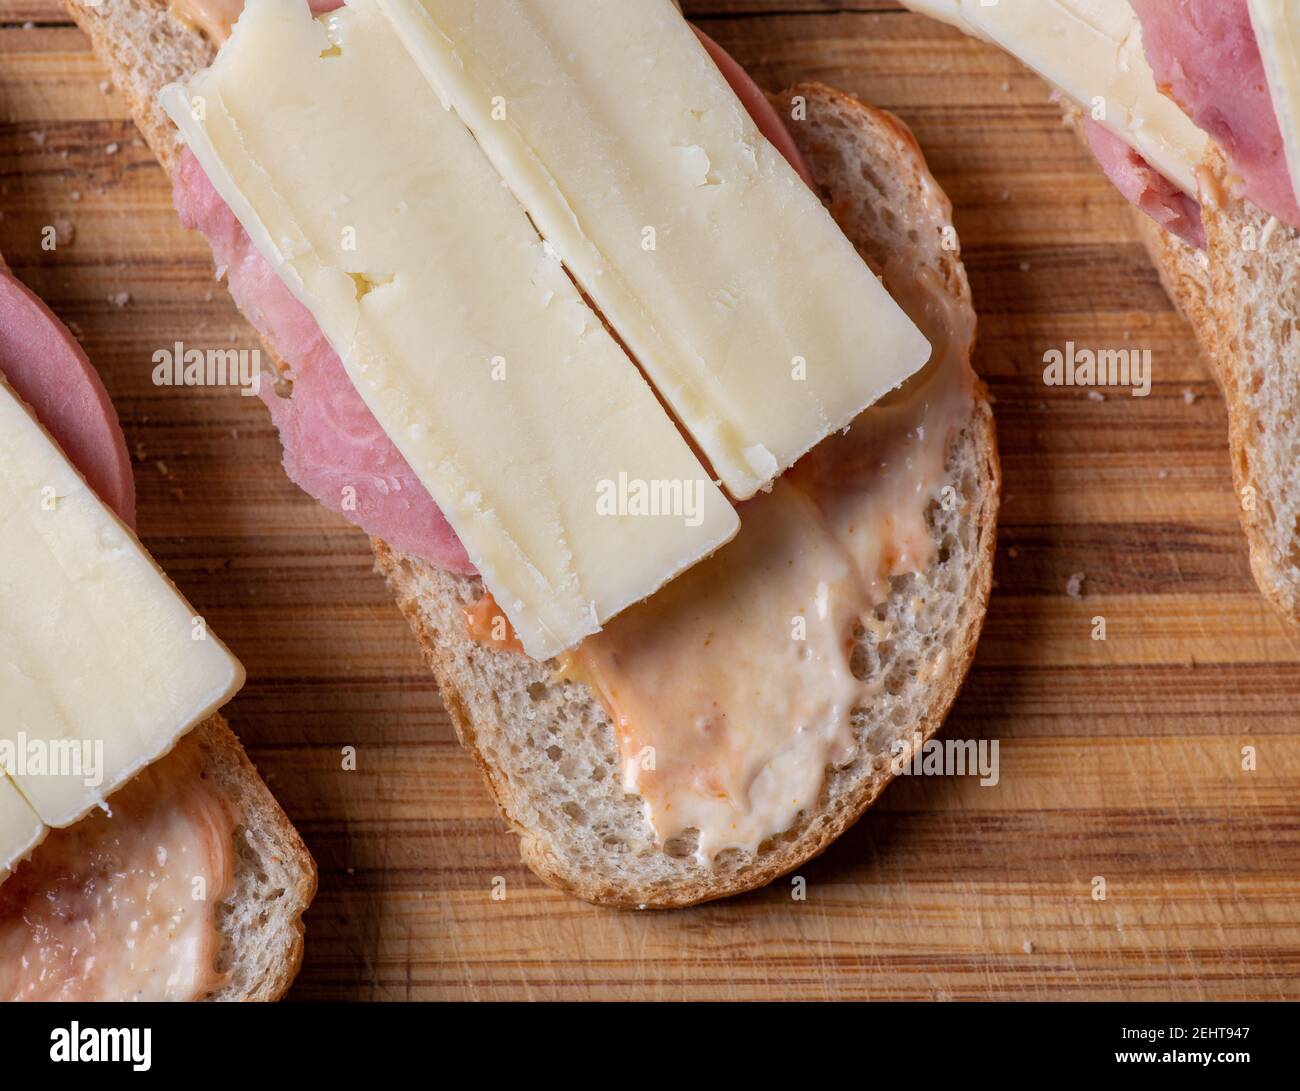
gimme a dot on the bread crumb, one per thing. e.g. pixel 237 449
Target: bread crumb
pixel 120 299
pixel 38 138
pixel 64 231
pixel 1074 585
pixel 1096 396
pixel 1162 474
pixel 105 87
pixel 1013 553
pixel 110 149
pixel 1028 947
pixel 1189 397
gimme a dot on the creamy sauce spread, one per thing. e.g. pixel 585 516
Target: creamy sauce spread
pixel 107 908
pixel 731 689
pixel 213 17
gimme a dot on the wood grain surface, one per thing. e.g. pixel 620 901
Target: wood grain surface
pixel 1120 759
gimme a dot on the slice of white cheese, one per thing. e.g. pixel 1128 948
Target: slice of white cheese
pixel 1277 30
pixel 21 828
pixel 945 11
pixel 1092 51
pixel 726 277
pixel 103 665
pixel 568 484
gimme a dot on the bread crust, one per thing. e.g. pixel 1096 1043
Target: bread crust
pixel 274 882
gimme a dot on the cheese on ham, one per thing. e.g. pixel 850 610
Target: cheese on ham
pixel 48 370
pixel 334 449
pixel 1145 187
pixel 1205 56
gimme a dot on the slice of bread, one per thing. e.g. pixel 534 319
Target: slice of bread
pixel 260 920
pixel 547 749
pixel 1242 299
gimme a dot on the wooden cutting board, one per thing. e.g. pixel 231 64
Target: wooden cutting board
pixel 1120 759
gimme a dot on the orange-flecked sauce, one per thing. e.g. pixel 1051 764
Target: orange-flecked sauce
pixel 487 623
pixel 731 689
pixel 122 906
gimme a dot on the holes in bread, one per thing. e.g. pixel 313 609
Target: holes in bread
pixel 537 691
pixel 897 679
pixel 864 660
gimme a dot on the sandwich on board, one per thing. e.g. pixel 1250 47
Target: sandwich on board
pixel 141 856
pixel 1192 107
pixel 659 413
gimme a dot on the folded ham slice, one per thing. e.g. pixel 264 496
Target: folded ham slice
pixel 1146 187
pixel 1205 56
pixel 334 448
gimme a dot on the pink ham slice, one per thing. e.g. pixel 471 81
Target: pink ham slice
pixel 1205 56
pixel 1146 187
pixel 48 370
pixel 334 449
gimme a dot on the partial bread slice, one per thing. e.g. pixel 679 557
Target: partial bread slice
pixel 1244 307
pixel 260 920
pixel 547 749
pixel 1242 299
